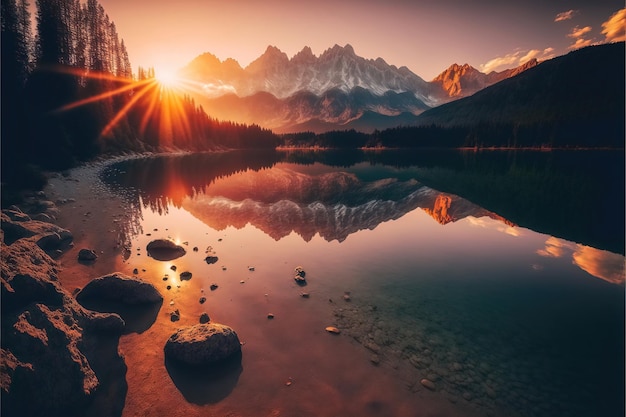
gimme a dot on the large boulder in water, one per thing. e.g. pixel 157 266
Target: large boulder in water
pixel 119 288
pixel 165 250
pixel 203 344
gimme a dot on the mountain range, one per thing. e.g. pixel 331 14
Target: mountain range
pixel 335 90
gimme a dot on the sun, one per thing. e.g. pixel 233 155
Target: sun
pixel 167 78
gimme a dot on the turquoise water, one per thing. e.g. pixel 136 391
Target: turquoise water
pixel 504 317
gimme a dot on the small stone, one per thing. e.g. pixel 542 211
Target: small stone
pixel 172 302
pixel 202 300
pixel 375 359
pixel 304 294
pixel 270 316
pixel 289 382
pixel 346 297
pixel 135 271
pixel 195 249
pixel 333 330
pixel 242 282
pixel 204 318
pixel 428 384
pixel 165 278
pixel 169 287
pixel 211 259
pixel 175 315
pixel 213 287
pixel 185 276
pixel 87 255
pixel 173 267
pixel 250 268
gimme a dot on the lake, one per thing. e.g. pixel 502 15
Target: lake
pixel 496 275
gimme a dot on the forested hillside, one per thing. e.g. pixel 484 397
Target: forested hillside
pixel 69 93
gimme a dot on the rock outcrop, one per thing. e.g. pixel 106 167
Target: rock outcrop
pixel 56 357
pixel 203 344
pixel 120 288
pixel 165 250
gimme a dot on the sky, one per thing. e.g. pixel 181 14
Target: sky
pixel 427 36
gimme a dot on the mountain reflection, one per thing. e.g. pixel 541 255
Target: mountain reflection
pixel 234 189
pixel 224 190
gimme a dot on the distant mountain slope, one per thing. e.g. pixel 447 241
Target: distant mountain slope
pixel 464 80
pixel 336 68
pixel 328 92
pixel 586 85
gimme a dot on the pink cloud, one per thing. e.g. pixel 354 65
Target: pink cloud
pixel 565 15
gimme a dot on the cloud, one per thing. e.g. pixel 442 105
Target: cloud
pixel 555 248
pixel 599 263
pixel 581 43
pixel 216 90
pixel 602 264
pixel 579 32
pixel 516 59
pixel 565 15
pixel 490 223
pixel 614 29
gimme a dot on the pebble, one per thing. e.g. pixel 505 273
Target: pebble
pixel 332 329
pixel 213 287
pixel 172 302
pixel 204 318
pixel 202 300
pixel 175 315
pixel 185 275
pixel 375 359
pixel 270 316
pixel 135 271
pixel 169 287
pixel 173 267
pixel 250 268
pixel 428 384
pixel 304 294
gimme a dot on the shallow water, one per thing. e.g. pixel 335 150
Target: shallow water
pixel 503 319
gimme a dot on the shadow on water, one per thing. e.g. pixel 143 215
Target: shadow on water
pixel 138 318
pixel 206 384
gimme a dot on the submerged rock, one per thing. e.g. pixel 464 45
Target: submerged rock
pixel 333 330
pixel 120 288
pixel 87 255
pixel 211 259
pixel 165 250
pixel 204 318
pixel 202 344
pixel 428 384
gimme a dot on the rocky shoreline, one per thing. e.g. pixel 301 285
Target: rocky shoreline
pixel 60 351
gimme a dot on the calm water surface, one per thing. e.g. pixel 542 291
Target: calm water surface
pixel 504 286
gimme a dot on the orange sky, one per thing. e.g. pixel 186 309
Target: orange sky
pixel 426 35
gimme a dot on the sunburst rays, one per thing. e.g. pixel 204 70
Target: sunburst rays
pixel 156 100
